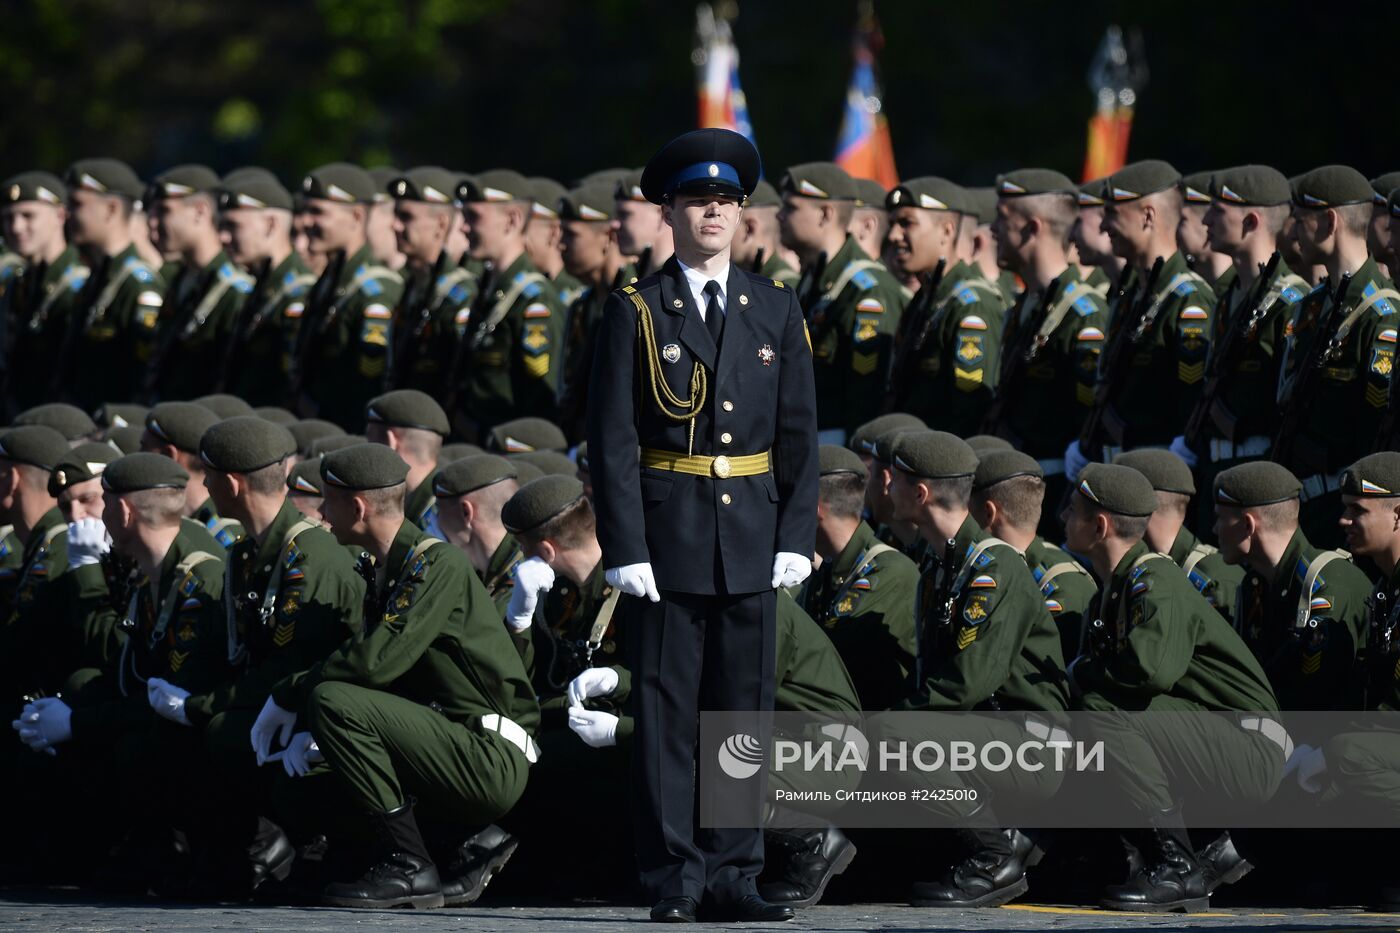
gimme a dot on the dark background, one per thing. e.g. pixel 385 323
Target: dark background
pixel 562 87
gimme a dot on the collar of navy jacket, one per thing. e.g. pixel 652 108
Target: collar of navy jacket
pixel 739 335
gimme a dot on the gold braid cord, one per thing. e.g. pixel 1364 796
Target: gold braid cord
pixel 672 406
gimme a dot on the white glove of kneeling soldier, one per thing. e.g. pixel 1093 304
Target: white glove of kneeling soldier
pixel 532 578
pixel 302 752
pixel 594 682
pixel 596 728
pixel 167 700
pixel 45 723
pixel 272 722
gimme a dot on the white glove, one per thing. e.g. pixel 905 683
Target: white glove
pixel 532 578
pixel 634 580
pixel 272 721
pixel 594 682
pixel 1310 763
pixel 302 752
pixel 44 724
pixel 1183 450
pixel 1074 461
pixel 597 728
pixel 87 542
pixel 26 726
pixel 790 569
pixel 167 700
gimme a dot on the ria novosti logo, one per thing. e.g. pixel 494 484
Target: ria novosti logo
pixel 741 755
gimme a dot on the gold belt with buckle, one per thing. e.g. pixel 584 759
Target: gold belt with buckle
pixel 721 467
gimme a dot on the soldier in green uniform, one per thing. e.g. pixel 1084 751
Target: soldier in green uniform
pixel 41 296
pixel 1380 239
pixel 255 220
pixel 1338 418
pixel 758 243
pixel 412 424
pixel 1008 496
pixel 982 253
pixel 205 298
pixel 1093 251
pixel 111 334
pixel 863 593
pixel 950 358
pixel 1157 645
pixel 1214 577
pixel 853 305
pixel 470 495
pixel 438 292
pixel 1192 237
pixel 869 220
pixel 173 430
pixel 998 649
pixel 509 361
pixel 544 235
pixel 642 233
pixel 898 533
pixel 379 221
pixel 429 701
pixel 1053 337
pixel 343 346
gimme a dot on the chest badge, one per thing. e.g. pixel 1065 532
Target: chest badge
pixel 766 355
pixel 671 353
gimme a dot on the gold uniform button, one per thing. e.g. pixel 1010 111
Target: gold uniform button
pixel 727 405
pixel 726 438
pixel 726 498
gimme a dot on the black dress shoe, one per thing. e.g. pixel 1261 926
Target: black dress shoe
pixel 750 909
pixel 675 910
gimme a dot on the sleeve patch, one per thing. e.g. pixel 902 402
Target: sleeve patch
pixel 1090 334
pixel 375 334
pixel 537 310
pixel 150 299
pixel 294 310
pixel 966 295
pixel 870 306
pixel 378 312
pixel 1194 313
pixel 972 322
pixel 1290 295
pixel 985 580
pixel 1387 335
pixel 1382 361
pixel 970 350
pixel 536 339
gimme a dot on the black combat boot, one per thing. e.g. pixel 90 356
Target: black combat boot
pixel 1221 863
pixel 807 859
pixel 403 876
pixel 472 865
pixel 1172 879
pixel 994 872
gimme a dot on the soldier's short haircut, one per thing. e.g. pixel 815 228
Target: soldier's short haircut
pixel 386 501
pixel 952 493
pixel 32 477
pixel 1168 202
pixel 1126 527
pixel 571 528
pixel 1277 516
pixel 491 499
pixel 269 480
pixel 845 210
pixel 157 508
pixel 1273 217
pixel 1019 498
pixel 1355 218
pixel 1057 210
pixel 1172 502
pixel 418 443
pixel 843 494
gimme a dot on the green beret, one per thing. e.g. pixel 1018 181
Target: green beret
pixel 1251 186
pixel 581 457
pixel 862 440
pixel 629 187
pixel 1027 182
pixel 245 444
pixel 934 455
pixel 383 177
pixel 869 193
pixel 363 466
pixel 253 189
pixel 69 420
pixel 309 430
pixel 982 204
pixel 524 434
pixel 588 202
pixel 340 182
pixel 931 193
pixel 181 424
pixel 105 176
pixel 1164 470
pixel 33 186
pixel 998 466
pixel 1140 179
pixel 497 184
pixel 183 181
pixel 408 408
pixel 1259 482
pixel 1118 489
pixel 276 414
pixel 224 405
pixel 34 444
pixel 608 177
pixel 765 195
pixel 126 439
pixel 1196 188
pixel 1375 476
pixel 550 462
pixel 324 445
pixel 985 443
pixel 82 463
pixel 141 470
pixel 451 453
pixel 825 180
pixel 471 474
pixel 1382 185
pixel 834 459
pixel 882 449
pixel 1331 186
pixel 526 471
pixel 305 478
pixel 538 501
pixel 1093 193
pixel 544 196
pixel 118 415
pixel 427 183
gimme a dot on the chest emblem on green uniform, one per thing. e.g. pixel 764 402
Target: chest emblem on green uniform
pixel 766 355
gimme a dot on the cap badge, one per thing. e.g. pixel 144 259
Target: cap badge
pixel 713 170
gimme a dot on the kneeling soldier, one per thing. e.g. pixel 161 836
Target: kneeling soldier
pixel 470 495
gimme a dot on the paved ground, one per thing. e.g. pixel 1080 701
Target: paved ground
pixel 62 911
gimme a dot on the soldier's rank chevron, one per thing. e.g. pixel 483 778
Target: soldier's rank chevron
pixel 864 363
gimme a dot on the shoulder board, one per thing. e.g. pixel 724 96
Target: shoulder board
pixel 1185 288
pixel 966 294
pixel 139 270
pixel 1084 306
pixel 1138 571
pixel 1382 307
pixel 237 279
pixel 864 281
pixel 78 277
pixel 985 559
pixel 1290 295
pixel 1199 580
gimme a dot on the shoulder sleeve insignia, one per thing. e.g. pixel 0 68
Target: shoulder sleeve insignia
pixel 972 321
pixel 983 581
pixel 1090 335
pixel 1185 288
pixel 966 295
pixel 864 281
pixel 537 310
pixel 1319 603
pixel 378 312
pixel 1290 295
pixel 870 306
pixel 1140 587
pixel 1199 580
pixel 1084 306
pixel 150 299
pixel 1194 313
pixel 864 584
pixel 1054 605
pixel 294 310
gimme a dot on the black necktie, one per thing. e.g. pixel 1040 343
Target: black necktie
pixel 714 317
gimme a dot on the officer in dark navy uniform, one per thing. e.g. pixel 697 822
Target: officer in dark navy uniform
pixel 702 439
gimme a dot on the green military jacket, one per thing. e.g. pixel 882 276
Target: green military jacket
pixel 260 342
pixel 560 643
pixel 1342 413
pixel 172 628
pixel 113 332
pixel 567 288
pixel 226 531
pixel 954 376
pixel 864 601
pixel 1068 589
pixel 344 346
pixel 195 322
pixel 852 328
pixel 1168 642
pixel 1310 658
pixel 499 580
pixel 513 350
pixel 289 601
pixel 1167 364
pixel 775 268
pixel 1208 572
pixel 1056 387
pixel 1002 648
pixel 435 309
pixel 581 330
pixel 1099 281
pixel 37 309
pixel 431 635
pixel 37 650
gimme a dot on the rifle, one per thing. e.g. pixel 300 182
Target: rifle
pixel 472 336
pixel 1113 364
pixel 1023 344
pixel 1220 370
pixel 809 285
pixel 1297 391
pixel 935 619
pixel 320 314
pixel 914 329
pixel 1388 436
pixel 412 317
